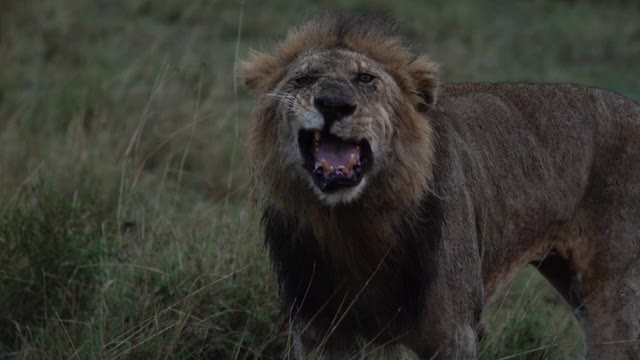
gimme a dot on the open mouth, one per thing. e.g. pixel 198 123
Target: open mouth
pixel 334 163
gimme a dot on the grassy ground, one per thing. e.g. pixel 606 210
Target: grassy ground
pixel 125 229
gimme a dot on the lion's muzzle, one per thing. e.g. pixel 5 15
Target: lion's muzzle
pixel 333 162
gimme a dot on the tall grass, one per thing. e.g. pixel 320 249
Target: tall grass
pixel 125 228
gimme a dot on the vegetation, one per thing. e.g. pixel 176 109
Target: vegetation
pixel 125 225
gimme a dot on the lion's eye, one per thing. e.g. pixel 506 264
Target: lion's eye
pixel 305 80
pixel 365 78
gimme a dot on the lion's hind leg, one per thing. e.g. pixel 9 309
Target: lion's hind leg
pixel 612 321
pixel 600 279
pixel 609 280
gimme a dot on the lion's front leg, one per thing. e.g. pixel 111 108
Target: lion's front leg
pixel 456 340
pixel 454 303
pixel 459 343
pixel 451 316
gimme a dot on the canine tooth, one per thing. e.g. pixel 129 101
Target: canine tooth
pixel 352 160
pixel 316 136
pixel 325 165
pixel 357 149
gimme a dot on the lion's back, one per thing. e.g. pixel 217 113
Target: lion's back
pixel 551 144
pixel 549 113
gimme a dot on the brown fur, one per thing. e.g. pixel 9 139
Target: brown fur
pixel 463 193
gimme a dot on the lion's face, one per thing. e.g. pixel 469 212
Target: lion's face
pixel 340 115
pixel 335 122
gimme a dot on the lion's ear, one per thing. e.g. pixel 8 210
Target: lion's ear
pixel 424 73
pixel 258 70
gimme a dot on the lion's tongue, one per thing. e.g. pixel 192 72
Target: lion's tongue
pixel 337 156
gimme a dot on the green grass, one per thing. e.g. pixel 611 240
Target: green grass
pixel 125 225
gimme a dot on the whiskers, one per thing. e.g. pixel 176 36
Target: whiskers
pixel 283 97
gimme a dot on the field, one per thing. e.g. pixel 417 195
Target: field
pixel 126 229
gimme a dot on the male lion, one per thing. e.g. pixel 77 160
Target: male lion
pixel 394 208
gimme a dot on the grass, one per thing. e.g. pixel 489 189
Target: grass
pixel 125 225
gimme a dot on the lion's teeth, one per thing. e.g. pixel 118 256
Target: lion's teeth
pixel 325 165
pixel 316 136
pixel 357 149
pixel 352 161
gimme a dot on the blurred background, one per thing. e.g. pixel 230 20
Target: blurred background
pixel 126 230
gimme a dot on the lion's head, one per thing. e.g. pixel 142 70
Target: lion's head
pixel 340 116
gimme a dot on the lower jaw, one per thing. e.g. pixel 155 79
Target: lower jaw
pixel 339 185
pixel 340 196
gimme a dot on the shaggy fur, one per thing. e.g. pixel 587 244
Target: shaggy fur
pixel 469 183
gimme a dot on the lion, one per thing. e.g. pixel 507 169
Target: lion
pixel 395 207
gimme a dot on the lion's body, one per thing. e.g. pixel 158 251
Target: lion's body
pixel 552 177
pixel 462 193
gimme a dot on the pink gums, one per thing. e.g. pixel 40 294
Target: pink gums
pixel 337 154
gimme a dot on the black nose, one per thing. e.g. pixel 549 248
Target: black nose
pixel 334 108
